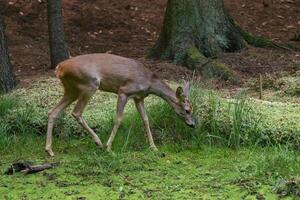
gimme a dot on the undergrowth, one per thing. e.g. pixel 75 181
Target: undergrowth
pixel 190 161
pixel 233 122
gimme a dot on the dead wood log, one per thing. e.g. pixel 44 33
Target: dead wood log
pixel 27 167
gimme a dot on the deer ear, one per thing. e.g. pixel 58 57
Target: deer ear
pixel 179 93
pixel 186 90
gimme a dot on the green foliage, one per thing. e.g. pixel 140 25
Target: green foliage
pixel 187 167
pixel 6 104
pixel 239 113
pixel 17 121
pixel 214 129
pixel 279 162
pixel 278 165
pixel 227 122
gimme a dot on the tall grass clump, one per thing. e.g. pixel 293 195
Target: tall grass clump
pixel 220 122
pixel 238 114
pixel 244 123
pixel 6 104
pixel 15 120
pixel 224 122
pixel 214 125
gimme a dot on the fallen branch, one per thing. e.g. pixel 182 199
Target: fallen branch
pixel 27 167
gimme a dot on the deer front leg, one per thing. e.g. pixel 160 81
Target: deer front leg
pixel 122 100
pixel 141 108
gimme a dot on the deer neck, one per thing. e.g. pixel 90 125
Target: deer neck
pixel 161 89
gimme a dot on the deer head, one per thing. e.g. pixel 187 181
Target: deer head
pixel 183 107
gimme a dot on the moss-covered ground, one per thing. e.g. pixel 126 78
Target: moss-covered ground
pixel 86 172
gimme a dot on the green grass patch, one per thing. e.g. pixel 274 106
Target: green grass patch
pixel 6 104
pixel 283 86
pixel 87 172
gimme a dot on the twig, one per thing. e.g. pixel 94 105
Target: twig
pixel 260 87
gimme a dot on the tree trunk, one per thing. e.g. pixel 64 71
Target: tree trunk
pixel 7 77
pixel 198 24
pixel 58 49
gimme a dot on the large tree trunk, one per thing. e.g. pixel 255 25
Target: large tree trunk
pixel 58 49
pixel 7 77
pixel 198 24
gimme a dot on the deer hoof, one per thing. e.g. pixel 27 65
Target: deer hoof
pixel 99 143
pixel 154 148
pixel 50 152
pixel 108 149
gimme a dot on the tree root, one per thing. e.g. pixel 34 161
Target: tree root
pixel 296 38
pixel 258 41
pixel 209 67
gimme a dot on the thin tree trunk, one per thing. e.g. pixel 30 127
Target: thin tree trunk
pixel 7 77
pixel 58 49
pixel 198 24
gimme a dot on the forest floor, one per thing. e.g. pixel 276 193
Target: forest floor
pixel 130 28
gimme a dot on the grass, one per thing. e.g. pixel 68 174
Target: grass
pixel 283 87
pixel 86 172
pixel 6 104
pixel 226 122
pixel 242 149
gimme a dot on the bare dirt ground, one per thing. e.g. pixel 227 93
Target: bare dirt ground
pixel 131 27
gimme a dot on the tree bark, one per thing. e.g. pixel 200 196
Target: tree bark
pixel 58 49
pixel 198 24
pixel 7 77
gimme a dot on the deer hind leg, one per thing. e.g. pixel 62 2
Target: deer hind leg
pixel 139 103
pixel 78 110
pixel 65 102
pixel 122 100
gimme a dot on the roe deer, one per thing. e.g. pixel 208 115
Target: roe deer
pixel 83 75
